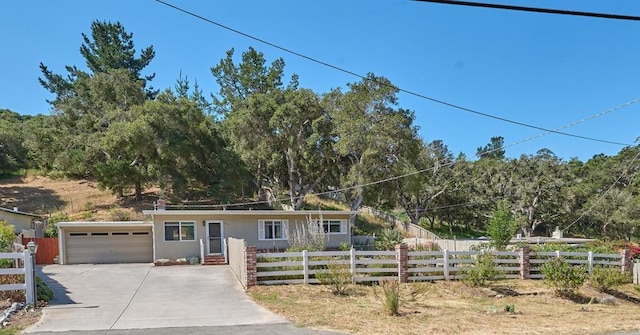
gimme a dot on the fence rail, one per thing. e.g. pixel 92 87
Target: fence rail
pixel 27 270
pixel 302 267
pixel 367 266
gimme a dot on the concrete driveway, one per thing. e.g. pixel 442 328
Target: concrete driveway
pixel 136 296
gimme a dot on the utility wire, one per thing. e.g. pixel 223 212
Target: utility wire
pixel 344 189
pixel 535 9
pixel 419 95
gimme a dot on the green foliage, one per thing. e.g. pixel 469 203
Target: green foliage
pixel 510 308
pixel 502 226
pixel 44 292
pixel 372 134
pixel 7 236
pixel 493 150
pixel 344 246
pixel 391 297
pixel 387 239
pixel 605 278
pixel 337 277
pixel 51 230
pixel 483 273
pixel 13 154
pixel 563 277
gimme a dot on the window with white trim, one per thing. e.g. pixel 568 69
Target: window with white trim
pixel 179 231
pixel 334 226
pixel 273 229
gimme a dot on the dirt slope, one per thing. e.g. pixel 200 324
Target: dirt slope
pixel 81 200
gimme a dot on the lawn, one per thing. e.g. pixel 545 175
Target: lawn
pixel 452 308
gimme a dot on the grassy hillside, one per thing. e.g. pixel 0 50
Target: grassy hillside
pixel 79 200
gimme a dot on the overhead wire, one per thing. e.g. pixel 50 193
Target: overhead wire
pixel 419 95
pixel 441 102
pixel 535 9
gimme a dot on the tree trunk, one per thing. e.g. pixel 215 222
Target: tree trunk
pixel 138 190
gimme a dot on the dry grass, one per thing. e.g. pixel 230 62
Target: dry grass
pixel 81 200
pixel 451 308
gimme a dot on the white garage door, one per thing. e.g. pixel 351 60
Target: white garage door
pixel 109 246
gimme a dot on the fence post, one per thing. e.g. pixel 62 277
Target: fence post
pixel 557 253
pixel 626 260
pixel 445 263
pixel 402 256
pixel 525 269
pixel 305 267
pixel 29 280
pixel 250 261
pixel 590 261
pixel 352 261
pixel 636 273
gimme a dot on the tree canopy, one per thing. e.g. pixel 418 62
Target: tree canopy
pixel 264 137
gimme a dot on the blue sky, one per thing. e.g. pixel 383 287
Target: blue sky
pixel 546 70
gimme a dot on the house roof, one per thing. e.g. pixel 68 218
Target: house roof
pixel 245 212
pixel 2 209
pixel 124 224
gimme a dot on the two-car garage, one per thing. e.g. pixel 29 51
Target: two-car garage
pixel 105 242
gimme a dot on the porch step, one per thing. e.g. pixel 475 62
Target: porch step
pixel 214 260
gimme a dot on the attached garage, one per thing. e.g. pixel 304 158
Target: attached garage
pixel 105 242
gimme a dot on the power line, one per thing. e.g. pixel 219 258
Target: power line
pixel 535 9
pixel 422 96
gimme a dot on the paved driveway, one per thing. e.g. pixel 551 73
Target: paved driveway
pixel 134 296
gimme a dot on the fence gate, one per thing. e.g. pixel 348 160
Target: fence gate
pixel 47 249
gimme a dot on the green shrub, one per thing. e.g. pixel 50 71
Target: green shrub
pixel 387 239
pixel 51 230
pixel 483 273
pixel 337 277
pixel 510 308
pixel 605 278
pixel 43 291
pixel 7 236
pixel 502 226
pixel 344 246
pixel 390 296
pixel 563 277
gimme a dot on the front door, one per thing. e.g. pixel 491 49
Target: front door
pixel 214 234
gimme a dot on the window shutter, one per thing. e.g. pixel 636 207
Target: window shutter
pixel 260 230
pixel 343 226
pixel 285 229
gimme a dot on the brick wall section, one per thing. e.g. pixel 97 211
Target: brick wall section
pixel 402 256
pixel 525 269
pixel 626 260
pixel 250 260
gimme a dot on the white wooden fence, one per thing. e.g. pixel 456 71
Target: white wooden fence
pixel 367 266
pixel 27 270
pixel 301 267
